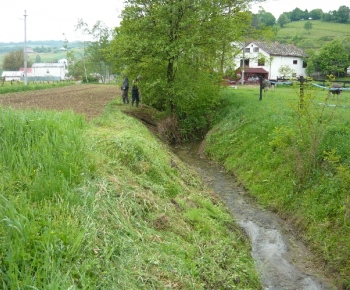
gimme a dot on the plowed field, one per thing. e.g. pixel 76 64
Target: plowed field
pixel 89 100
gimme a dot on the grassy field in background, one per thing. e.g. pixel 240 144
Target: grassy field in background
pixel 315 38
pixel 49 56
pixel 96 206
pixel 294 161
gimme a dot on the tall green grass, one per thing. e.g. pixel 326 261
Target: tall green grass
pixel 107 206
pixel 295 161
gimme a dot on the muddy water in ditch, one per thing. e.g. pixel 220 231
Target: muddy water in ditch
pixel 282 261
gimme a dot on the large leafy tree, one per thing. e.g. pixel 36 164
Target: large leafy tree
pixel 14 60
pixel 298 14
pixel 316 14
pixel 178 47
pixel 96 49
pixel 283 19
pixel 331 59
pixel 263 18
pixel 343 14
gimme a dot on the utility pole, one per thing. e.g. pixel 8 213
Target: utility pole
pixel 25 48
pixel 243 61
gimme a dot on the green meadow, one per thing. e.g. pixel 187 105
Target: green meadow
pixel 106 205
pixel 318 36
pixel 291 152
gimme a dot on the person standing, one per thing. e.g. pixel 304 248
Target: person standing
pixel 135 92
pixel 125 89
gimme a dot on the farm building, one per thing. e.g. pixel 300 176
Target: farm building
pixel 265 59
pixel 11 76
pixel 38 72
pixel 49 71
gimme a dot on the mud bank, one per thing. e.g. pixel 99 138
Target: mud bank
pixel 282 261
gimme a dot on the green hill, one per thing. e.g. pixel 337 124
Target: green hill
pixel 320 34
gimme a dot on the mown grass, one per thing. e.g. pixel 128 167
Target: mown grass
pixel 295 161
pixel 107 206
pixel 15 87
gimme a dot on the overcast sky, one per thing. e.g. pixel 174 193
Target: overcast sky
pixel 49 19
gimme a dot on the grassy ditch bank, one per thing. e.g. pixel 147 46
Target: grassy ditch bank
pixel 292 154
pixel 107 206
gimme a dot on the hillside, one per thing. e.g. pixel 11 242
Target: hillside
pixel 320 34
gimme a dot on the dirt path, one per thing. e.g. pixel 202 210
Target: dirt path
pixel 89 100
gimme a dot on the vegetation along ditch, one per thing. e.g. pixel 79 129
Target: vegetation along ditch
pixel 103 204
pixel 282 261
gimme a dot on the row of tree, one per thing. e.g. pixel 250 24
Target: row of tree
pixel 264 18
pixel 342 15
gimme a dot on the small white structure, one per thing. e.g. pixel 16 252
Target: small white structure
pixel 11 75
pixel 270 57
pixel 52 70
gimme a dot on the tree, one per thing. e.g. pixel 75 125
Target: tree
pixel 14 60
pixel 343 14
pixel 316 14
pixel 297 14
pixel 308 26
pixel 97 49
pixel 283 19
pixel 286 71
pixel 263 18
pixel 38 59
pixel 333 58
pixel 178 48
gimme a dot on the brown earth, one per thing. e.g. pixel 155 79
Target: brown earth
pixel 89 100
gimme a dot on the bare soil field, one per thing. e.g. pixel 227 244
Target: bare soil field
pixel 88 100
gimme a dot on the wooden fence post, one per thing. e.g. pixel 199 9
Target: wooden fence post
pixel 301 98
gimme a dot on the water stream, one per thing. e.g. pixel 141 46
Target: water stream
pixel 282 261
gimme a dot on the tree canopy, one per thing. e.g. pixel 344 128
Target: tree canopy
pixel 180 48
pixel 14 60
pixel 331 59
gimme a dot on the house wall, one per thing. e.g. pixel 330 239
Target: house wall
pixel 272 63
pixel 49 70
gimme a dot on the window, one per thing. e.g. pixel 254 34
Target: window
pixel 247 49
pixel 304 64
pixel 261 61
pixel 256 49
pixel 295 61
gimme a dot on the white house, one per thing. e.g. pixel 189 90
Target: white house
pixel 265 59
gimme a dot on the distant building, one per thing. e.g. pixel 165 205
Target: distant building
pixel 53 71
pixel 38 72
pixel 11 75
